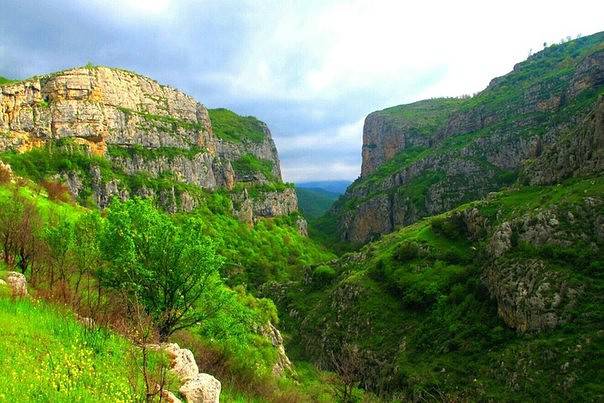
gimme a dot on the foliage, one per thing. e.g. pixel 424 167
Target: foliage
pixel 314 202
pixel 169 268
pixel 229 126
pixel 423 117
pixel 416 303
pixel 4 80
pixel 46 355
pixel 248 164
pixel 147 153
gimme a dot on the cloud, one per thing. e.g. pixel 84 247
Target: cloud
pixel 311 69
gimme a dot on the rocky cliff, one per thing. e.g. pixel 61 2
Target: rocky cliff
pixel 425 158
pixel 159 141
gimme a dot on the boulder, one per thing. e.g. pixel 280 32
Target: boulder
pixel 183 361
pixel 18 284
pixel 203 388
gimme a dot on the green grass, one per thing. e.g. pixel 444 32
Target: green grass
pixel 416 303
pixel 422 117
pixel 229 126
pixel 4 81
pixel 45 355
pixel 249 164
pixel 166 123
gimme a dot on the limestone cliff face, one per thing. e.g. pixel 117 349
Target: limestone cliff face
pixel 579 152
pixel 428 157
pixel 141 126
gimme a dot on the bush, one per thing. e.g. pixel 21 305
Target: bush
pixel 378 271
pixel 323 275
pixel 452 227
pixel 406 251
pixel 56 191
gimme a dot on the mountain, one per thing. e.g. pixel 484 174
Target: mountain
pixel 128 207
pixel 135 137
pixel 337 187
pixel 474 239
pixel 484 282
pixel 427 157
pixel 314 202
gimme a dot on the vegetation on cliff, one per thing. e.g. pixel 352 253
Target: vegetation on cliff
pixel 427 320
pixel 430 156
pixel 229 126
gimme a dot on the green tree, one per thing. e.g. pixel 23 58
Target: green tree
pixel 168 267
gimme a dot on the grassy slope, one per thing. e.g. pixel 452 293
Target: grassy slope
pixel 229 126
pixel 4 80
pixel 46 355
pixel 314 202
pixel 423 117
pixel 271 251
pixel 433 301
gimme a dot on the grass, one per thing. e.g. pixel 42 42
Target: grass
pixel 422 117
pixel 45 355
pixel 4 81
pixel 416 303
pixel 314 202
pixel 229 126
pixel 249 164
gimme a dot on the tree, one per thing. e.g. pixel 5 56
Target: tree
pixel 168 267
pixel 20 224
pixel 347 364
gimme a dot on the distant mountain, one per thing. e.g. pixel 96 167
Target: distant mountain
pixel 338 187
pixel 314 202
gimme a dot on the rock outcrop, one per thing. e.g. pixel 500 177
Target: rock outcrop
pixel 202 388
pixel 196 387
pixel 283 363
pixel 17 283
pixel 430 156
pixel 146 130
pixel 579 152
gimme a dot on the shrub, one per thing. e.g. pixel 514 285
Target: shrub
pixel 378 271
pixel 323 275
pixel 406 251
pixel 452 227
pixel 56 191
pixel 168 267
pixel 5 173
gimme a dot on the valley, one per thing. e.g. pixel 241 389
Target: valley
pixel 464 264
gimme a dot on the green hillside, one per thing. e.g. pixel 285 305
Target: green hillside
pixel 46 355
pixel 314 202
pixel 421 304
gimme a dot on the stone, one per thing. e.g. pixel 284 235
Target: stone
pixel 18 284
pixel 182 361
pixel 501 241
pixel 274 335
pixel 529 296
pixel 169 397
pixel 203 388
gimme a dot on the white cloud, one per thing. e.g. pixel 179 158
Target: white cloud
pixel 312 69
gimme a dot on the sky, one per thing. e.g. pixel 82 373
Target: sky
pixel 311 69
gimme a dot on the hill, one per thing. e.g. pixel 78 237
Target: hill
pixel 427 157
pixel 337 187
pixel 314 202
